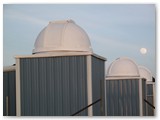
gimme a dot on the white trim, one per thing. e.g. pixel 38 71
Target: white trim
pixel 140 98
pixel 120 78
pixel 89 84
pixel 60 53
pixel 18 94
pixel 54 54
pixel 149 82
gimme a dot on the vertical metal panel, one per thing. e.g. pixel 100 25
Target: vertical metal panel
pixel 144 96
pixel 134 101
pixel 112 96
pixel 97 82
pixel 135 98
pixel 25 87
pixel 116 97
pixel 149 89
pixel 122 97
pixel 73 83
pixel 12 94
pixel 150 110
pixel 129 104
pixel 102 72
pixel 5 92
pixel 107 95
pixel 42 86
pixel 35 89
pixel 53 86
pixel 82 86
pixel 9 93
pixel 66 86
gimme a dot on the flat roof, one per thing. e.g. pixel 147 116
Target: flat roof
pixel 58 54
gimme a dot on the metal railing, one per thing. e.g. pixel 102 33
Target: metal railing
pixel 149 103
pixel 86 107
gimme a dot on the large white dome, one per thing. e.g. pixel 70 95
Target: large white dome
pixel 145 73
pixel 62 36
pixel 123 67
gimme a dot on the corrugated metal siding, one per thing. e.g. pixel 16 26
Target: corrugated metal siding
pixel 149 89
pixel 144 96
pixel 9 91
pixel 97 84
pixel 150 110
pixel 54 86
pixel 122 97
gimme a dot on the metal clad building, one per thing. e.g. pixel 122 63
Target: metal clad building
pixel 124 89
pixel 150 89
pixel 63 75
pixel 122 97
pixel 9 92
pixel 150 98
pixel 98 67
pixel 59 85
pixel 53 85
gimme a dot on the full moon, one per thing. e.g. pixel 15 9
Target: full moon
pixel 143 50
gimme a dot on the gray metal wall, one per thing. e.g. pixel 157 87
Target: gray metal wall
pixel 54 86
pixel 97 85
pixel 150 110
pixel 122 97
pixel 144 96
pixel 9 94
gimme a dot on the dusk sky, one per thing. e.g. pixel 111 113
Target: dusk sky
pixel 115 30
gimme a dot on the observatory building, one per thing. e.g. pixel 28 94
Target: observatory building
pixel 150 89
pixel 9 91
pixel 64 77
pixel 124 89
pixel 60 78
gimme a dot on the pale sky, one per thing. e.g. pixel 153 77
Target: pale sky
pixel 114 30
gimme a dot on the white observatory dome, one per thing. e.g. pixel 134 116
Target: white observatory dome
pixel 123 67
pixel 62 36
pixel 145 73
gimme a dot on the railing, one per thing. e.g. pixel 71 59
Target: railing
pixel 149 103
pixel 85 107
pixel 99 101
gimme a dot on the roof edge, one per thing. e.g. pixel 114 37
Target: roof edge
pixel 54 54
pixel 9 68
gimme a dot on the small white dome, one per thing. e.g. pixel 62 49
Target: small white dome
pixel 62 36
pixel 145 73
pixel 123 67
